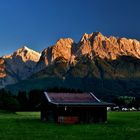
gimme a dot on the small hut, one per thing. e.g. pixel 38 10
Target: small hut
pixel 71 108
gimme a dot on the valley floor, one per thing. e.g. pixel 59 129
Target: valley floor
pixel 28 126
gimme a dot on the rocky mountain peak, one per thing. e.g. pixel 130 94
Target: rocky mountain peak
pixel 86 43
pixel 65 53
pixel 64 42
pixel 62 48
pixel 108 47
pixel 86 37
pixel 25 54
pixel 93 45
pixel 28 54
pixel 18 65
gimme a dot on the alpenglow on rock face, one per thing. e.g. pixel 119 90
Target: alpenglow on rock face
pixel 108 48
pixel 2 68
pixel 94 44
pixel 63 48
pixel 94 56
pixel 18 66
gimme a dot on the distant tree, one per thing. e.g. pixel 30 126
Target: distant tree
pixel 12 104
pixel 124 101
pixel 34 99
pixel 119 102
pixel 7 101
pixel 23 100
pixel 136 103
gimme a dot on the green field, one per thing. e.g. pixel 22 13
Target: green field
pixel 27 126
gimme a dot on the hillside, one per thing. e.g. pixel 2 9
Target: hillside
pixel 106 65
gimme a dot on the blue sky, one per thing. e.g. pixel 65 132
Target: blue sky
pixel 40 23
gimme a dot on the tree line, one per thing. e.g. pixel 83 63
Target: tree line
pixel 26 101
pixel 31 101
pixel 23 101
pixel 127 101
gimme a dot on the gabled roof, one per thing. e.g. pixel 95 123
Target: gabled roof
pixel 74 99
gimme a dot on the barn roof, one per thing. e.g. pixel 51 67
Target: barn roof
pixel 74 99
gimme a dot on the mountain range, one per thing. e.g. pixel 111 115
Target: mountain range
pixel 105 65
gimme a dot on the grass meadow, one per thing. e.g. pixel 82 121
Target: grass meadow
pixel 28 126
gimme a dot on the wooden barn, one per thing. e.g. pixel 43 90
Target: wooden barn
pixel 72 108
